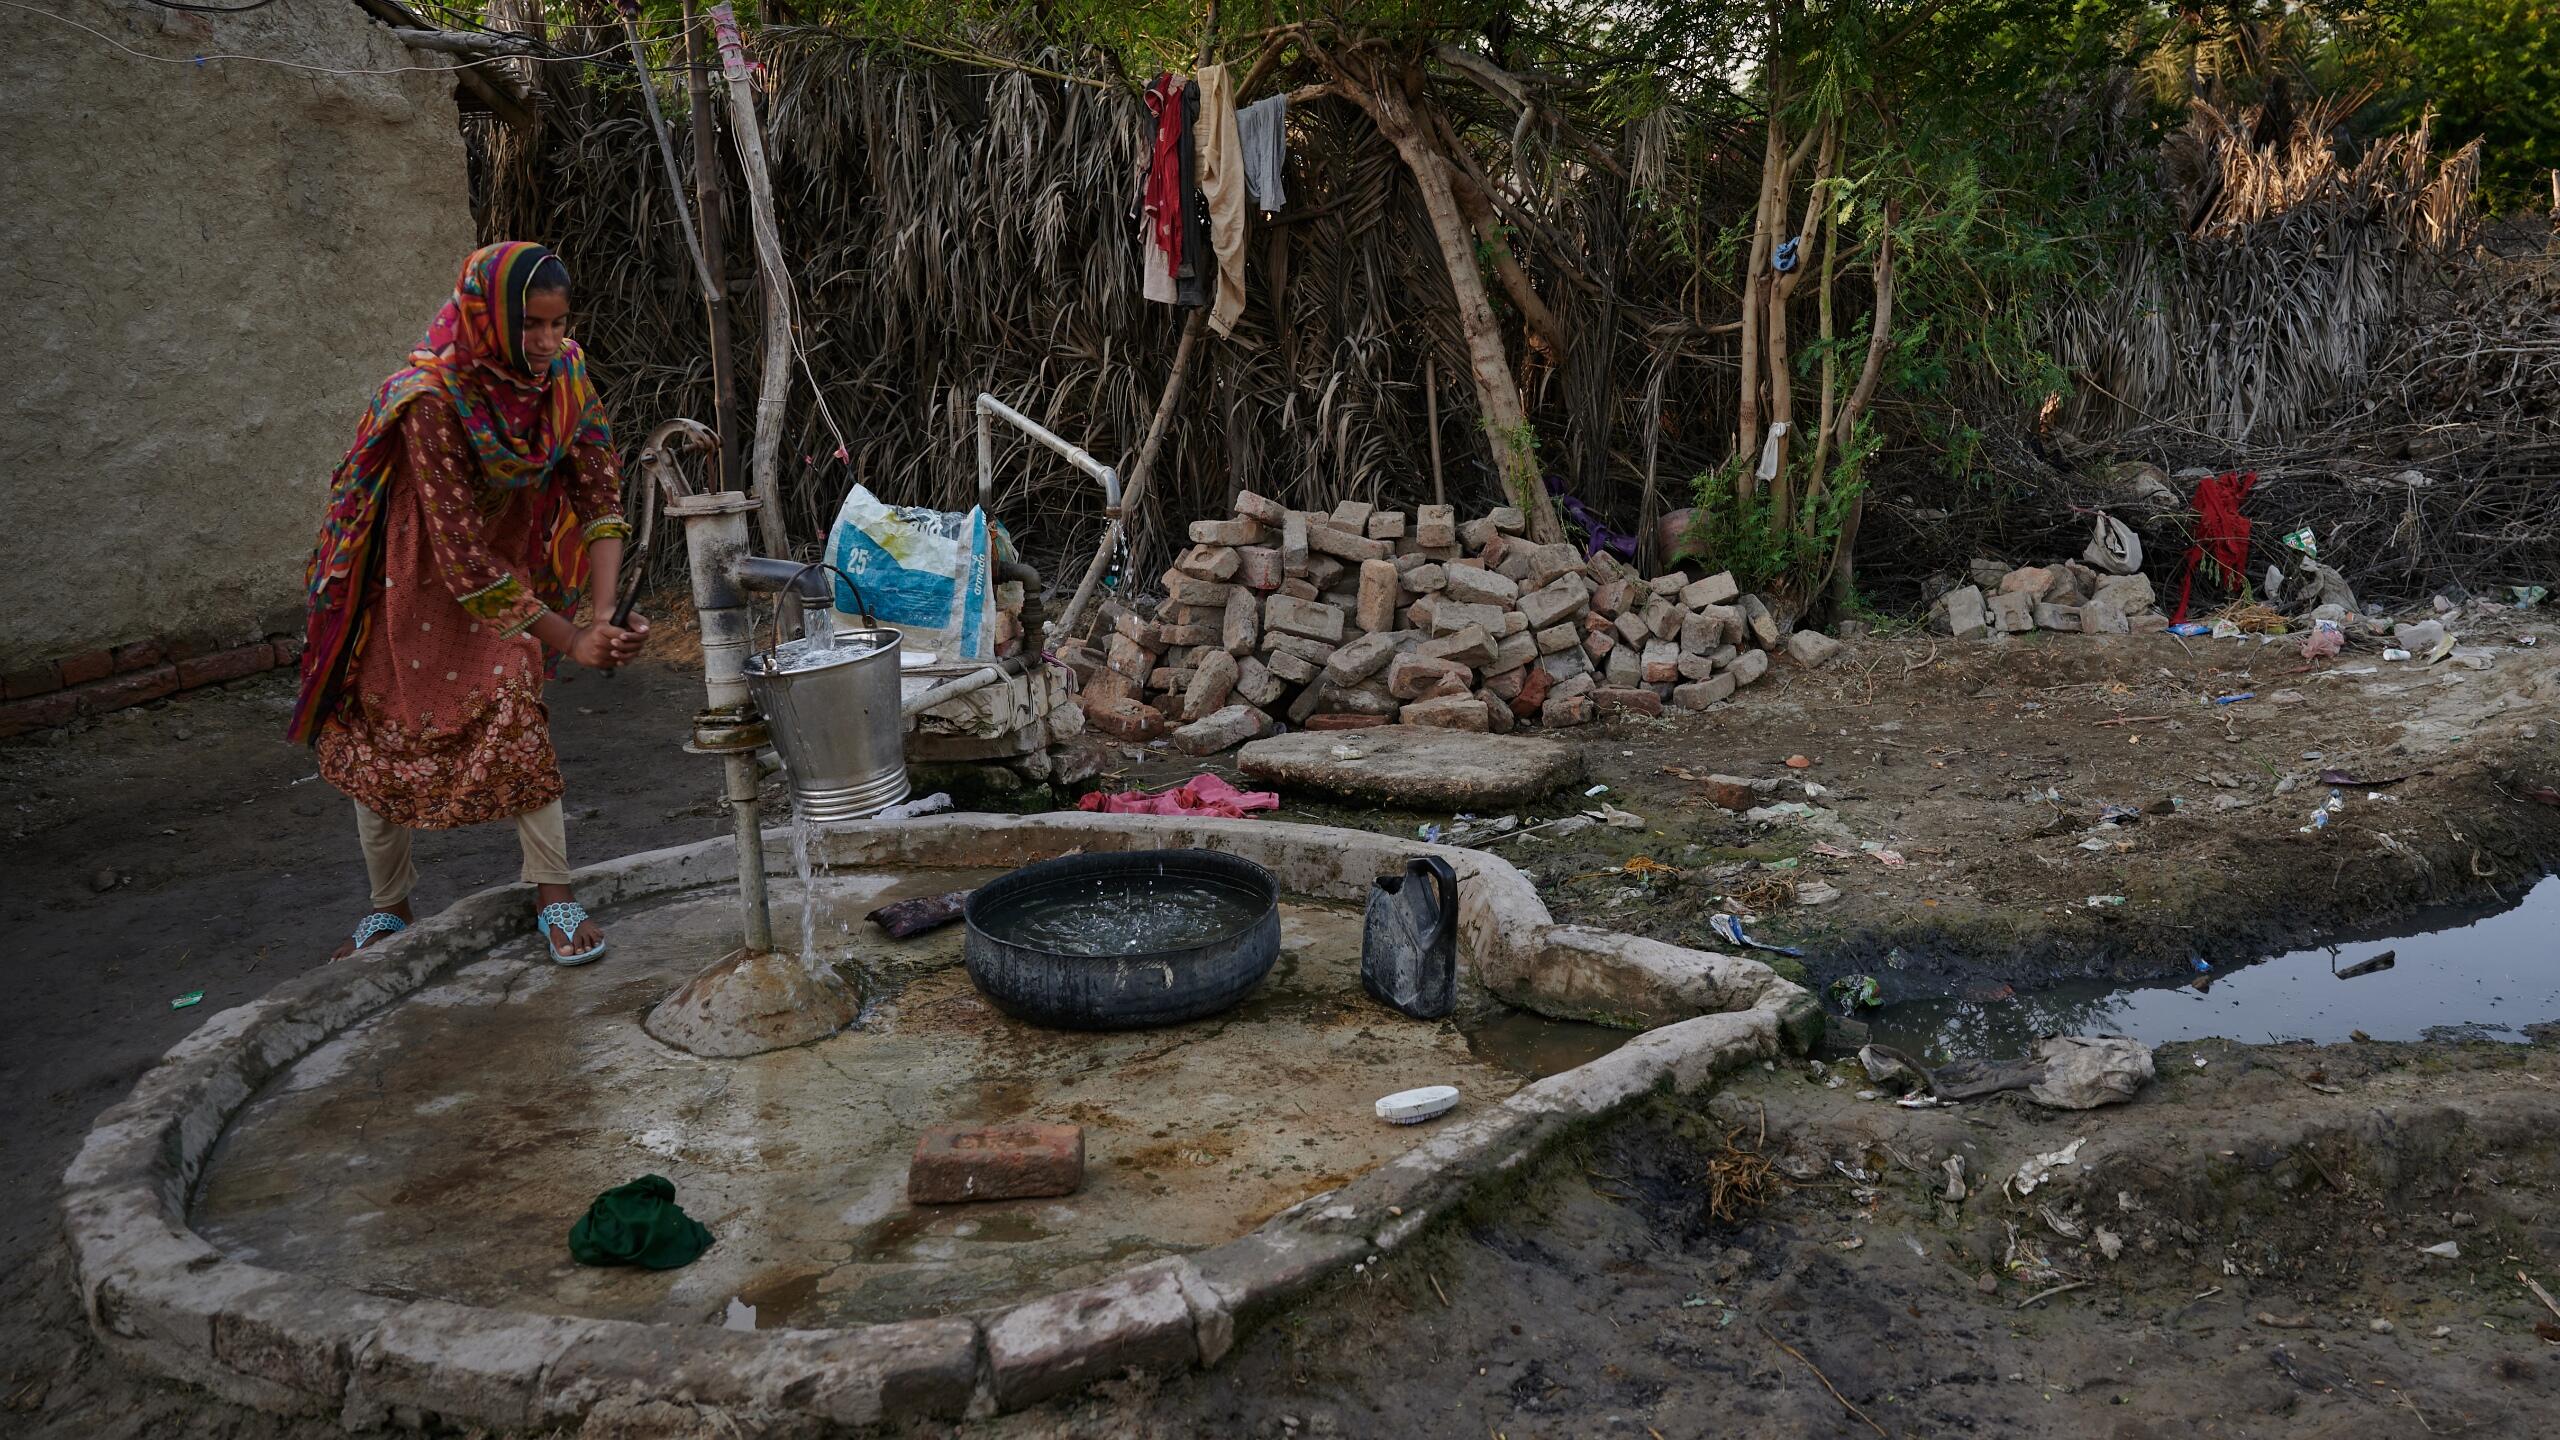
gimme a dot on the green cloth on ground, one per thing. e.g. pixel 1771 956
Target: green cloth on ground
pixel 638 1224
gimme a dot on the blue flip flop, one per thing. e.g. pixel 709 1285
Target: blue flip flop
pixel 376 925
pixel 566 916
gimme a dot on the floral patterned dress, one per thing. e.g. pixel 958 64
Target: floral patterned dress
pixel 443 723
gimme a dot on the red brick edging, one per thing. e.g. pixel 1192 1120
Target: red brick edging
pixel 98 681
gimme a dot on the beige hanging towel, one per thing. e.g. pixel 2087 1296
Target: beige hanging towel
pixel 1222 184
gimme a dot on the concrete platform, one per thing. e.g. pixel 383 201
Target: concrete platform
pixel 1414 766
pixel 350 1198
pixel 461 1133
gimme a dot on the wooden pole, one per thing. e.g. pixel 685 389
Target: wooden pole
pixel 773 389
pixel 710 202
pixel 1140 471
pixel 1431 408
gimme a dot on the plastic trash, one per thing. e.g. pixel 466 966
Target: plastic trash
pixel 2191 628
pixel 933 804
pixel 2235 699
pixel 192 997
pixel 927 572
pixel 1409 939
pixel 1856 992
pixel 2114 547
pixel 1412 1107
pixel 1728 928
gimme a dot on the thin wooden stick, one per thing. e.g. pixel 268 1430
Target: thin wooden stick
pixel 2049 1294
pixel 1431 407
pixel 2539 1293
pixel 1825 1379
pixel 2129 720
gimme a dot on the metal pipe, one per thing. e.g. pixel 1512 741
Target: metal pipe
pixel 1075 455
pixel 715 536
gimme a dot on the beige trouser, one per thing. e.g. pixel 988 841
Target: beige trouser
pixel 543 833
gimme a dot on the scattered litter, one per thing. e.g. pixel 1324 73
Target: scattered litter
pixel 2110 1244
pixel 2191 628
pixel 1886 856
pixel 2096 901
pixel 1616 818
pixel 1729 928
pixel 2446 1250
pixel 1696 1302
pixel 2394 652
pixel 2368 966
pixel 1854 1242
pixel 192 997
pixel 1412 1107
pixel 1856 992
pixel 1954 1166
pixel 2325 640
pixel 1799 762
pixel 2235 699
pixel 1349 752
pixel 933 804
pixel 2528 596
pixel 2201 1062
pixel 1202 795
pixel 905 918
pixel 1595 790
pixel 2037 1169
pixel 1816 892
pixel 741 1316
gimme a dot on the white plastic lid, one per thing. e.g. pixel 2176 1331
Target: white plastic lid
pixel 1408 1107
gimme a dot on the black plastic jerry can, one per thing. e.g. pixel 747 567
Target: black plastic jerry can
pixel 1409 940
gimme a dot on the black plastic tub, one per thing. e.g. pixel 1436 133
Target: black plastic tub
pixel 1123 941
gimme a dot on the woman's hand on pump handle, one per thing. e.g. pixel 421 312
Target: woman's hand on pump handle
pixel 607 646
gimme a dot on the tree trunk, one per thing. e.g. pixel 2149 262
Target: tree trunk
pixel 1506 423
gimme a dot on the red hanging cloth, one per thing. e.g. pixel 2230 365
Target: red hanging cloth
pixel 2222 535
pixel 1161 198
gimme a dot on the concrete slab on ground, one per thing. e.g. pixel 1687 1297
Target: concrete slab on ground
pixel 1423 768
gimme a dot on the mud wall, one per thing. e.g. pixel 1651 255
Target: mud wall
pixel 207 267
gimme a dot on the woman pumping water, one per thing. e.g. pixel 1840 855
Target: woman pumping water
pixel 478 508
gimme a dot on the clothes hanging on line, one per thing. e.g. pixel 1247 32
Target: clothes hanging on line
pixel 1262 132
pixel 1160 194
pixel 1222 183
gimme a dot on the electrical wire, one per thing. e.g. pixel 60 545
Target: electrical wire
pixel 458 64
pixel 213 9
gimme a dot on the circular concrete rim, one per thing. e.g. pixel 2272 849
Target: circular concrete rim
pixel 158 1295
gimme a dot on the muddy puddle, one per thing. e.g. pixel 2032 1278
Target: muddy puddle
pixel 2478 970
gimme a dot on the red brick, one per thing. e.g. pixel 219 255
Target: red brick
pixel 1608 700
pixel 36 680
pixel 224 665
pixel 1345 722
pixel 1124 719
pixel 42 712
pixel 1533 693
pixel 288 650
pixel 955 1163
pixel 140 655
pixel 188 647
pixel 86 667
pixel 152 684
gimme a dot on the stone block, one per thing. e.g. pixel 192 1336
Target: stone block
pixel 1696 667
pixel 1210 562
pixel 1663 618
pixel 1474 585
pixel 1136 1320
pixel 1229 532
pixel 1555 638
pixel 1632 628
pixel 1294 545
pixel 1253 506
pixel 2056 617
pixel 1561 711
pixel 1347 545
pixel 2100 616
pixel 1811 648
pixel 1565 664
pixel 1661 661
pixel 1748 666
pixel 1626 700
pixel 1296 587
pixel 1716 589
pixel 1387 525
pixel 1324 571
pixel 1624 668
pixel 958 1163
pixel 1315 620
pixel 1184 589
pixel 1471 647
pixel 1411 677
pixel 1222 730
pixel 1380 595
pixel 1448 712
pixel 1429 577
pixel 1210 686
pixel 1762 626
pixel 1512 652
pixel 1612 597
pixel 1352 515
pixel 1369 697
pixel 1562 600
pixel 1256 685
pixel 2130 594
pixel 1668 585
pixel 2036 582
pixel 1448 617
pixel 1435 525
pixel 1129 657
pixel 1291 666
pixel 1497 712
pixel 1598 644
pixel 1547 562
pixel 1242 629
pixel 1508 519
pixel 1258 566
pixel 1582 684
pixel 1359 659
pixel 1699 694
pixel 1477 533
pixel 2012 612
pixel 1506 686
pixel 1961 613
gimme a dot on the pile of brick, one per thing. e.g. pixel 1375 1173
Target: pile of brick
pixel 1354 617
pixel 2067 596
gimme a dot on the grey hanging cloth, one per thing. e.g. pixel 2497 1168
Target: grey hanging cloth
pixel 1262 131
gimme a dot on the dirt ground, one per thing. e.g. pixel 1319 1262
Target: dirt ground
pixel 183 847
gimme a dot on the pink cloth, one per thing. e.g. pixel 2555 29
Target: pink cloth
pixel 1201 795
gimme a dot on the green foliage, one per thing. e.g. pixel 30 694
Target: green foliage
pixel 2487 69
pixel 1747 536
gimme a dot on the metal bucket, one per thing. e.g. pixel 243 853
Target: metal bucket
pixel 834 712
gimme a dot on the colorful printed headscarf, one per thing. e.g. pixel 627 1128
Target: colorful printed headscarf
pixel 520 425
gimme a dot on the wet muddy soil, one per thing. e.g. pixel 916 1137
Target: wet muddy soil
pixel 182 848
